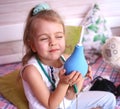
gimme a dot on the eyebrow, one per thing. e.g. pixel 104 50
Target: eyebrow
pixel 59 32
pixel 48 34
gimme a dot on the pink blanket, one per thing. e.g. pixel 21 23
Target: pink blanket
pixel 99 68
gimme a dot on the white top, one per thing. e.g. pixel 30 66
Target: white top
pixel 33 102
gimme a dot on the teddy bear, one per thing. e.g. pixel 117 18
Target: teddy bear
pixel 111 51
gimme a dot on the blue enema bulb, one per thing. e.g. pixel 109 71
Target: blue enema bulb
pixel 76 62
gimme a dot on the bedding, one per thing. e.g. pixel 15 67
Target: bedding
pixel 99 68
pixel 12 89
pixel 96 32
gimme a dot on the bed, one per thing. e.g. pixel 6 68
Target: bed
pixel 99 68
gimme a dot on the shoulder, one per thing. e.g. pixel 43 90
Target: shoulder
pixel 30 67
pixel 29 72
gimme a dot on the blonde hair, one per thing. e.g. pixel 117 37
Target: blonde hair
pixel 49 15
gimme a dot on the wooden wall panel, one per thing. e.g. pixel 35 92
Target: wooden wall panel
pixel 13 15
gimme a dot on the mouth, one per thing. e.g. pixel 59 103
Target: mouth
pixel 53 50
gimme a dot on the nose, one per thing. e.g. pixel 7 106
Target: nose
pixel 52 41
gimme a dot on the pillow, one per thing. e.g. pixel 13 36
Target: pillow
pixel 96 33
pixel 72 37
pixel 11 88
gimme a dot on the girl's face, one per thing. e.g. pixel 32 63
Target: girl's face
pixel 49 40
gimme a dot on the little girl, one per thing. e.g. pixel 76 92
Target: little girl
pixel 45 84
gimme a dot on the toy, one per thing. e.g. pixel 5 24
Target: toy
pixel 111 52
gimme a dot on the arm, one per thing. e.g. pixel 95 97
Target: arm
pixel 50 100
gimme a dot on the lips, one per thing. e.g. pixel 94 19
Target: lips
pixel 53 50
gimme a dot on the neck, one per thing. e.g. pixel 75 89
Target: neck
pixel 54 63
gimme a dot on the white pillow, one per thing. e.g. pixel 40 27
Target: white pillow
pixel 96 33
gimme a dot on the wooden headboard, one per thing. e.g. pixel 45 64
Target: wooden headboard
pixel 13 14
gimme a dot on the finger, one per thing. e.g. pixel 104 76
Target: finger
pixel 75 78
pixel 89 74
pixel 89 69
pixel 67 78
pixel 91 77
pixel 71 75
pixel 62 72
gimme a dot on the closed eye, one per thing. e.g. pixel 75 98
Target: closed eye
pixel 59 36
pixel 42 39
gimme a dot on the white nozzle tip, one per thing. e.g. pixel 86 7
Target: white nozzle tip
pixel 79 44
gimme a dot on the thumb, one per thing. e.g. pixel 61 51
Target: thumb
pixel 62 72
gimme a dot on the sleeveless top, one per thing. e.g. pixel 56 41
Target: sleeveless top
pixel 33 102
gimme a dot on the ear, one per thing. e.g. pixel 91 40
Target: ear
pixel 32 45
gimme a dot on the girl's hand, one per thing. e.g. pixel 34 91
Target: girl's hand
pixel 74 78
pixel 89 74
pixel 63 77
pixel 70 79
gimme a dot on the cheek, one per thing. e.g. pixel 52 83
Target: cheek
pixel 40 47
pixel 63 45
